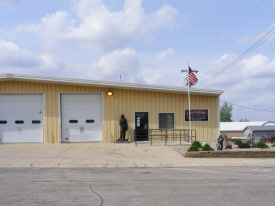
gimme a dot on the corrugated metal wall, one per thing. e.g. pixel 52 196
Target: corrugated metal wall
pixel 125 102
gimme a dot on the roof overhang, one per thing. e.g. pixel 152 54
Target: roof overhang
pixel 109 84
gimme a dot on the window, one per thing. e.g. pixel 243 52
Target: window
pixel 36 121
pixel 3 122
pixel 19 122
pixel 73 121
pixel 90 121
pixel 166 121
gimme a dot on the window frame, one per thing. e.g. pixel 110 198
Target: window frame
pixel 166 119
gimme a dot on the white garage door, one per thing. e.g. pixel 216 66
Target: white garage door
pixel 81 117
pixel 21 117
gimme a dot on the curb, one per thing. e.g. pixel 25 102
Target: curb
pixel 230 154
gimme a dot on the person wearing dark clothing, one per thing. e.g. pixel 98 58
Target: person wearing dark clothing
pixel 123 127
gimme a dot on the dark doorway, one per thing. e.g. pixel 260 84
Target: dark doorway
pixel 141 126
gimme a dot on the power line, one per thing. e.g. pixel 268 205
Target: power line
pixel 218 46
pixel 228 35
pixel 244 54
pixel 261 110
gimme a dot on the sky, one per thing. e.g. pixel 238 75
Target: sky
pixel 148 42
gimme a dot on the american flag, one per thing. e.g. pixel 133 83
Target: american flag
pixel 191 77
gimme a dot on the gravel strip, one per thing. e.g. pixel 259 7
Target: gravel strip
pixel 213 144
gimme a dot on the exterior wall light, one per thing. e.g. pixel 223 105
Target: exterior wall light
pixel 110 93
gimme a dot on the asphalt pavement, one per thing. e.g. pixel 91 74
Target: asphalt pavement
pixel 125 174
pixel 249 185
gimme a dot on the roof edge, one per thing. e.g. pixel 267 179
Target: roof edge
pixel 109 84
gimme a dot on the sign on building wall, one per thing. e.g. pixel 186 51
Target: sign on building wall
pixel 197 115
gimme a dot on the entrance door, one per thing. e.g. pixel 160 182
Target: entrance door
pixel 141 126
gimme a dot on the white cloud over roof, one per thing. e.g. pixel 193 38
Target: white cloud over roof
pixel 95 26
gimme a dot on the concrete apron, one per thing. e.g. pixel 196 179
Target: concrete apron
pixel 108 155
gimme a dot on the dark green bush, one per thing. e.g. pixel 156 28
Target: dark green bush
pixel 244 145
pixel 273 145
pixel 197 143
pixel 260 145
pixel 238 141
pixel 193 148
pixel 206 147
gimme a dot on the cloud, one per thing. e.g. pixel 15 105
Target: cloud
pixel 124 62
pixel 249 82
pixel 11 55
pixel 51 28
pixel 94 26
pixel 254 67
pixel 163 54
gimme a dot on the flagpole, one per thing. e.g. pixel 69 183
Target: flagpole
pixel 190 137
pixel 194 79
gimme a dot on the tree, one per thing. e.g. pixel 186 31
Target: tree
pixel 226 113
pixel 244 120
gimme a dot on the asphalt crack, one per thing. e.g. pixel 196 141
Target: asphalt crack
pixel 96 194
pixel 63 151
pixel 61 162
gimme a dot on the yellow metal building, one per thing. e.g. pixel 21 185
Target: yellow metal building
pixel 19 95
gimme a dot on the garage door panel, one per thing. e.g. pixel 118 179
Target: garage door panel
pixel 81 113
pixel 77 108
pixel 86 130
pixel 15 97
pixel 21 105
pixel 87 135
pixel 20 114
pixel 82 120
pixel 12 122
pixel 20 131
pixel 84 97
pixel 84 105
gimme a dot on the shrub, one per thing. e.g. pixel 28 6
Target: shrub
pixel 244 145
pixel 273 145
pixel 238 141
pixel 193 148
pixel 197 143
pixel 206 147
pixel 261 145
